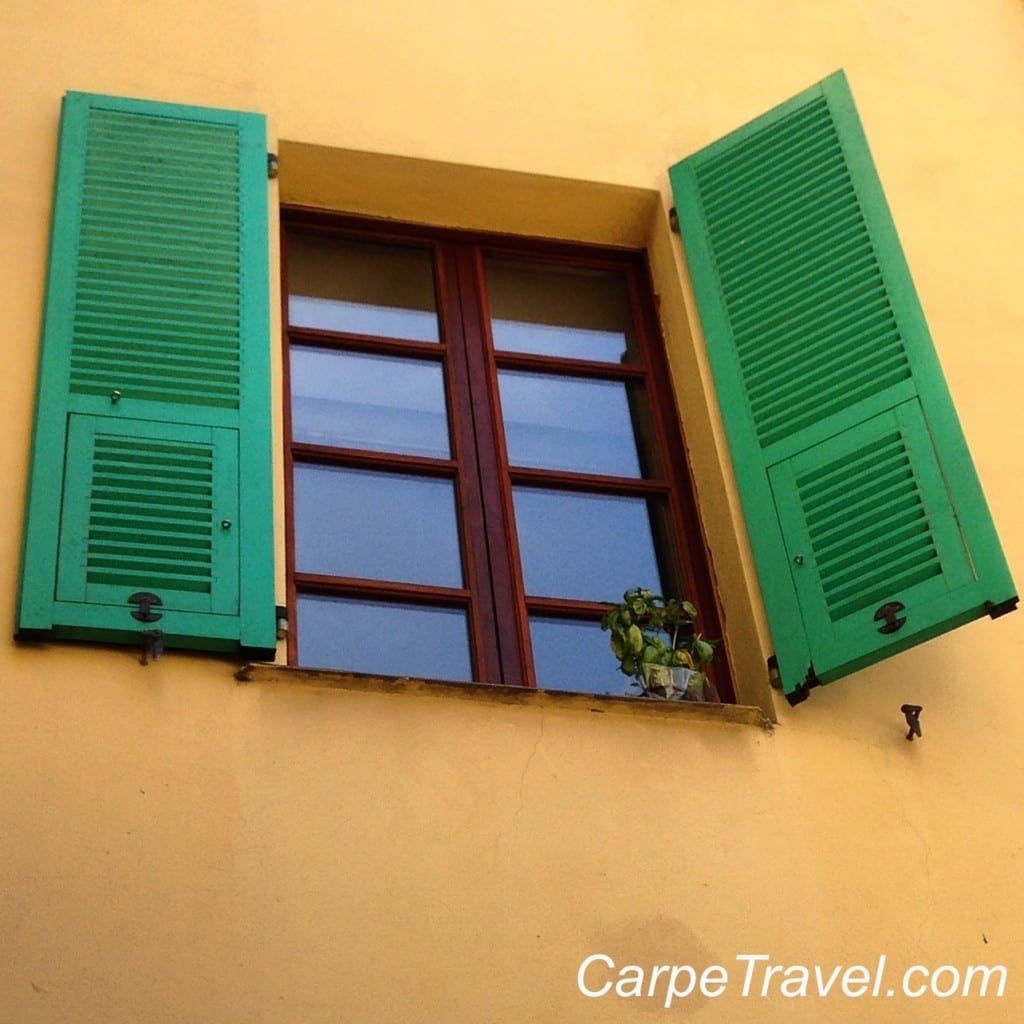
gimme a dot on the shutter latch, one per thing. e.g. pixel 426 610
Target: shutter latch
pixel 888 612
pixel 912 713
pixel 152 639
pixel 152 645
pixel 145 600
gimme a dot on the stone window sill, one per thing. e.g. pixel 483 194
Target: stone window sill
pixel 732 714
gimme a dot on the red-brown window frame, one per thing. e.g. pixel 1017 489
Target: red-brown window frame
pixel 492 593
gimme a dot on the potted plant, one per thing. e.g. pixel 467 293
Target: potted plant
pixel 657 644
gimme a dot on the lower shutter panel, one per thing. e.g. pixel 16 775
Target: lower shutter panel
pixel 152 508
pixel 868 526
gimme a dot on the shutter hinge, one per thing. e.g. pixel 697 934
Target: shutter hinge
pixel 803 691
pixel 272 165
pixel 995 610
pixel 673 220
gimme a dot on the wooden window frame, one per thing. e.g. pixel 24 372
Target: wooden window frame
pixel 493 594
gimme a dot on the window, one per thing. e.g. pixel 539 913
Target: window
pixel 483 443
pixel 483 452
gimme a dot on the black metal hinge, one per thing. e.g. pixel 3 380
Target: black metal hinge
pixel 995 610
pixel 803 691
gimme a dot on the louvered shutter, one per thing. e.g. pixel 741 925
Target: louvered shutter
pixel 867 522
pixel 151 464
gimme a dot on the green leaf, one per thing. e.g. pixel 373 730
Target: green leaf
pixel 703 651
pixel 635 639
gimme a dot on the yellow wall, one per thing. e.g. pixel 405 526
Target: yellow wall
pixel 175 846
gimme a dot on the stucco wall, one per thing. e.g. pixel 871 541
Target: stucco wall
pixel 176 847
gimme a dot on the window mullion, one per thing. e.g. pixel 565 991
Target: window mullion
pixel 474 364
pixel 472 502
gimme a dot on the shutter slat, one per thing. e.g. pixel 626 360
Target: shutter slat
pixel 157 194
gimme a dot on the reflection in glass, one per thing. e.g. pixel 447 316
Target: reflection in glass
pixel 572 423
pixel 379 403
pixel 560 311
pixel 572 655
pixel 585 546
pixel 381 526
pixel 339 285
pixel 383 637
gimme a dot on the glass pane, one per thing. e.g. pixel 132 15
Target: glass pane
pixel 589 547
pixel 383 637
pixel 338 285
pixel 380 403
pixel 573 655
pixel 380 526
pixel 560 311
pixel 570 423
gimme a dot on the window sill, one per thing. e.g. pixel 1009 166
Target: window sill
pixel 732 714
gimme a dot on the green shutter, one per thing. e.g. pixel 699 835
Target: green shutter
pixel 151 461
pixel 856 483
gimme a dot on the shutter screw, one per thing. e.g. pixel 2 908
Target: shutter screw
pixel 799 559
pixel 115 397
pixel 225 524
